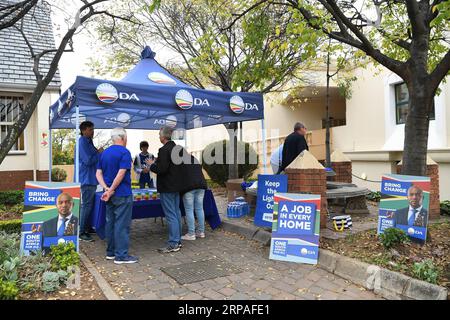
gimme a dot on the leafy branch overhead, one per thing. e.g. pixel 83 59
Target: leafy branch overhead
pixel 257 54
pixel 19 17
pixel 408 37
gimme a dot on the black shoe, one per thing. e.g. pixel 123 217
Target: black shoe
pixel 91 230
pixel 169 249
pixel 86 237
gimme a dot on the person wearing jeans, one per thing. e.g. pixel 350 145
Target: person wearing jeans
pixel 170 202
pixel 88 158
pixel 193 195
pixel 114 175
pixel 169 182
pixel 193 202
pixel 118 221
pixel 87 205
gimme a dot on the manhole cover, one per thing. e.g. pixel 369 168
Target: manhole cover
pixel 200 271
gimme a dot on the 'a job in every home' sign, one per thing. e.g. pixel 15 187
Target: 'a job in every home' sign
pixel 295 229
pixel 268 185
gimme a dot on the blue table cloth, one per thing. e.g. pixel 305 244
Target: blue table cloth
pixel 151 209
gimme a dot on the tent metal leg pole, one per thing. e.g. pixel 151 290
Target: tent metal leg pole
pixel 50 164
pixel 264 145
pixel 77 145
pixel 240 131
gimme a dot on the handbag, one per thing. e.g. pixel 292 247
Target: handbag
pixel 342 222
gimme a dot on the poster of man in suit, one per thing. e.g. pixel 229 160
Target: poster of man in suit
pixel 51 215
pixel 414 214
pixel 404 205
pixel 63 225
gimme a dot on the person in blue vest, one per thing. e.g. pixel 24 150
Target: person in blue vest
pixel 141 167
pixel 88 158
pixel 114 175
pixel 276 159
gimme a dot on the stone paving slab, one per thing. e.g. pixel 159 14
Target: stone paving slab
pixel 261 278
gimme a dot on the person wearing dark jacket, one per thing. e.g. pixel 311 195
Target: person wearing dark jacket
pixel 169 183
pixel 193 194
pixel 294 144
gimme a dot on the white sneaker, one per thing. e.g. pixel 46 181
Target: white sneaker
pixel 188 236
pixel 200 234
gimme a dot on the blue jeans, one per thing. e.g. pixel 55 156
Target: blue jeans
pixel 117 229
pixel 193 200
pixel 87 204
pixel 170 202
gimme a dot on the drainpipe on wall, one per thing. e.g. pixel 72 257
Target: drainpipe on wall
pixel 35 143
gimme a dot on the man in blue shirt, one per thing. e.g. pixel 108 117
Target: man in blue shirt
pixel 114 175
pixel 88 158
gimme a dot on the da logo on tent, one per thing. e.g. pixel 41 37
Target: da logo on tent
pixel 237 104
pixel 73 118
pixel 184 99
pixel 171 121
pixel 123 119
pixel 161 78
pixel 106 93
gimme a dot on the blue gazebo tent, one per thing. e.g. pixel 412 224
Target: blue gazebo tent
pixel 149 97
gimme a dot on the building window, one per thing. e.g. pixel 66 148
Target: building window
pixel 11 107
pixel 401 103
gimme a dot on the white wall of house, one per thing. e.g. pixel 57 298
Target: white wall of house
pixel 36 155
pixel 373 140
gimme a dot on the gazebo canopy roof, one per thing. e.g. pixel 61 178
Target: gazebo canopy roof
pixel 149 97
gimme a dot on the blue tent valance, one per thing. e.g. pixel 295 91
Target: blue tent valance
pixel 149 97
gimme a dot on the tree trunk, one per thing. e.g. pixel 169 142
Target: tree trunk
pixel 327 130
pixel 416 130
pixel 233 169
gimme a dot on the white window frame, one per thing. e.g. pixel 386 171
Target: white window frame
pixel 7 123
pixel 395 133
pixel 396 105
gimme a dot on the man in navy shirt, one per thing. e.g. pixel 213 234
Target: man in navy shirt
pixel 114 175
pixel 88 158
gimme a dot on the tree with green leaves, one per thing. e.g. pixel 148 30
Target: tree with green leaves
pixel 256 54
pixel 20 15
pixel 408 37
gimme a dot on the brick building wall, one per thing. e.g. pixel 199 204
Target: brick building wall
pixel 15 180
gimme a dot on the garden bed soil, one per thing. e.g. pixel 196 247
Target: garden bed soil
pixel 365 246
pixel 89 290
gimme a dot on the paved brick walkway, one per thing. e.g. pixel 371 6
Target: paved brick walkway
pixel 262 278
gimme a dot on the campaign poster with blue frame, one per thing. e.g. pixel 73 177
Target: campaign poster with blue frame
pixel 295 228
pixel 404 205
pixel 268 185
pixel 51 215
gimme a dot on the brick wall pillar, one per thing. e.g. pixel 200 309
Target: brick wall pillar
pixel 342 165
pixel 42 175
pixel 433 173
pixel 307 175
pixel 343 172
